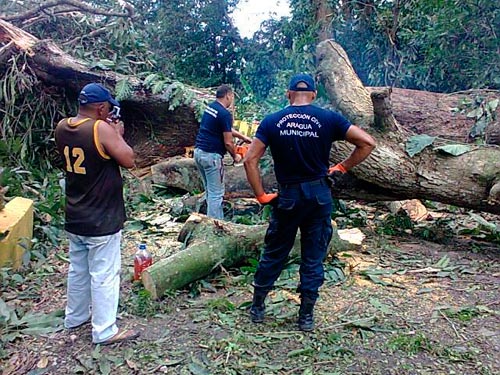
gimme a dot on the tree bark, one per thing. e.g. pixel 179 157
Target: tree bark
pixel 323 15
pixel 470 180
pixel 440 115
pixel 212 243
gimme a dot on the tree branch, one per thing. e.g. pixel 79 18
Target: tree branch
pixel 90 35
pixel 81 6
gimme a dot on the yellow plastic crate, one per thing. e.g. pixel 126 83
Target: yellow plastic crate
pixel 16 231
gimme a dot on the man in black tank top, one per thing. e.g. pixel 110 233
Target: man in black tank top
pixel 92 149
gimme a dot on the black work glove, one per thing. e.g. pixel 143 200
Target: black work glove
pixel 335 178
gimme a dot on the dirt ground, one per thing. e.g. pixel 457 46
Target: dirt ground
pixel 406 306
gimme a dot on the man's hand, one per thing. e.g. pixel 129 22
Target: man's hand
pixel 267 198
pixel 237 158
pixel 117 124
pixel 338 167
pixel 120 127
pixel 335 174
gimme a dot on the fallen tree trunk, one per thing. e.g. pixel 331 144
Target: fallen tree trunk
pixel 212 243
pixel 469 180
pixel 442 115
pixel 152 126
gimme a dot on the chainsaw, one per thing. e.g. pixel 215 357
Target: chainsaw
pixel 241 150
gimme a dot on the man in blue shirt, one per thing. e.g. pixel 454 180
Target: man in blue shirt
pixel 214 139
pixel 300 138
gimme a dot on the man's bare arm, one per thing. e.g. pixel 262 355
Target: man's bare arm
pixel 364 143
pixel 241 136
pixel 251 163
pixel 111 138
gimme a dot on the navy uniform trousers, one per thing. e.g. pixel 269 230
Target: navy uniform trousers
pixel 306 206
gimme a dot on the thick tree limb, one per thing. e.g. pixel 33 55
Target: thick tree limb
pixel 469 180
pixel 181 173
pixel 343 85
pixel 211 243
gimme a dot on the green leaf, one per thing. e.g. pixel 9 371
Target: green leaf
pixel 334 275
pixel 198 369
pixel 173 362
pixel 377 280
pixel 492 105
pixel 5 312
pixel 380 306
pixel 149 80
pixel 443 262
pixel 39 320
pixel 491 226
pixel 103 64
pixel 454 150
pixel 363 323
pixel 37 330
pixel 475 113
pixel 270 366
pixel 135 225
pixel 105 367
pixel 298 352
pixel 417 143
pixel 158 87
pixel 123 89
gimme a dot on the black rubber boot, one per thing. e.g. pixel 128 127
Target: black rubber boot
pixel 258 309
pixel 306 314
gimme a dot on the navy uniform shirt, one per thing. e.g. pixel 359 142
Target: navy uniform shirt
pixel 215 121
pixel 300 139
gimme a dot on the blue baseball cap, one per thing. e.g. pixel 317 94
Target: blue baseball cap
pixel 302 78
pixel 96 93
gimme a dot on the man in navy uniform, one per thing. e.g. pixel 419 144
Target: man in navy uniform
pixel 214 139
pixel 300 138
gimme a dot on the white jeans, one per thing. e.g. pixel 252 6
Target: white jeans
pixel 94 283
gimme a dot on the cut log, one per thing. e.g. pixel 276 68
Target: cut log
pixel 181 173
pixel 415 210
pixel 212 243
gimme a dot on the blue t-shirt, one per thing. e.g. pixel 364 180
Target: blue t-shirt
pixel 215 120
pixel 300 139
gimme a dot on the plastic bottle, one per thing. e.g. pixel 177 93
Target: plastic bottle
pixel 142 260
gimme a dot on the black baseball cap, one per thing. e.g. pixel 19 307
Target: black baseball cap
pixel 302 78
pixel 96 93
